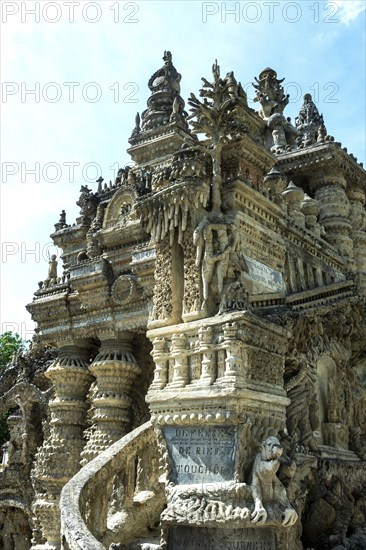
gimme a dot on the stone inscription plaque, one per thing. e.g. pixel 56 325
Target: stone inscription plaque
pixel 201 454
pixel 265 276
pixel 192 538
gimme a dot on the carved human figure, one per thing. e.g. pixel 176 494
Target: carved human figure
pixel 52 267
pixel 277 124
pixel 214 245
pixel 120 175
pixel 234 293
pixel 233 88
pixel 266 486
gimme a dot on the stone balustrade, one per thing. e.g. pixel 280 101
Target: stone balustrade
pixel 216 353
pixel 116 496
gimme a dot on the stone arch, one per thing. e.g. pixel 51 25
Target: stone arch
pixel 26 404
pixel 15 531
pixel 120 207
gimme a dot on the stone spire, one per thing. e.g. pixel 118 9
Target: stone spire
pixel 270 93
pixel 279 134
pixel 310 123
pixel 165 103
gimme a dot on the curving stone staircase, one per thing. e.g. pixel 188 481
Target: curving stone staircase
pixel 115 501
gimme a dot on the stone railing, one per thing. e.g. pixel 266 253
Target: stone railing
pixel 216 353
pixel 116 497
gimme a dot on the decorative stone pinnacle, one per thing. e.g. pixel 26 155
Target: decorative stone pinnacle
pixel 310 123
pixel 165 105
pixel 269 93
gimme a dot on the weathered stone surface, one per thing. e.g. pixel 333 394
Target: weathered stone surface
pixel 190 538
pixel 218 285
pixel 201 453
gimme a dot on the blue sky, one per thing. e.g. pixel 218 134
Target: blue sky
pixel 89 63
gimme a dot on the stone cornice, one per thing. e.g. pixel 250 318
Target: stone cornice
pixel 327 156
pixel 150 146
pixel 248 148
pixel 314 245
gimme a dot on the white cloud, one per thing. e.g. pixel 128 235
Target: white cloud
pixel 349 10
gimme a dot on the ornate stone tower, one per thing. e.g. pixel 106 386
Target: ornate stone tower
pixel 208 389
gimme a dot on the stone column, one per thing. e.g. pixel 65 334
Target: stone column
pixel 234 368
pixel 329 191
pixel 179 352
pixel 301 283
pixel 357 217
pixel 115 369
pixel 57 460
pixel 160 355
pixel 292 278
pixel 310 209
pixel 294 196
pixel 205 335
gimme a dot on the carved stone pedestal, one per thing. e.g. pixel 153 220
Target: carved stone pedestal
pixel 216 399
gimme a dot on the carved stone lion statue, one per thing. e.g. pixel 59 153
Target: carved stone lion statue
pixel 265 485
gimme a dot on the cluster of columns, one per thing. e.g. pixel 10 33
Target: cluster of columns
pixel 330 192
pixel 58 460
pixel 339 207
pixel 115 369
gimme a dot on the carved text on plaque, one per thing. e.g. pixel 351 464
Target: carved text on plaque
pixel 190 538
pixel 201 454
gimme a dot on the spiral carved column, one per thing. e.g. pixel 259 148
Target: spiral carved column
pixel 357 216
pixel 329 191
pixel 115 369
pixel 58 459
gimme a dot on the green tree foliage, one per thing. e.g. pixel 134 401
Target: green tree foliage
pixel 9 344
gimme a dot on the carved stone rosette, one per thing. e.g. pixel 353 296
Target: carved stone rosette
pixel 58 459
pixel 115 369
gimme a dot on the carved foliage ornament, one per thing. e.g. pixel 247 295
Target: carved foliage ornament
pixel 124 289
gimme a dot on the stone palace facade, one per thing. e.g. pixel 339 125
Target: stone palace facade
pixel 198 375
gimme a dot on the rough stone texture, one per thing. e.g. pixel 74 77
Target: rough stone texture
pixel 221 278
